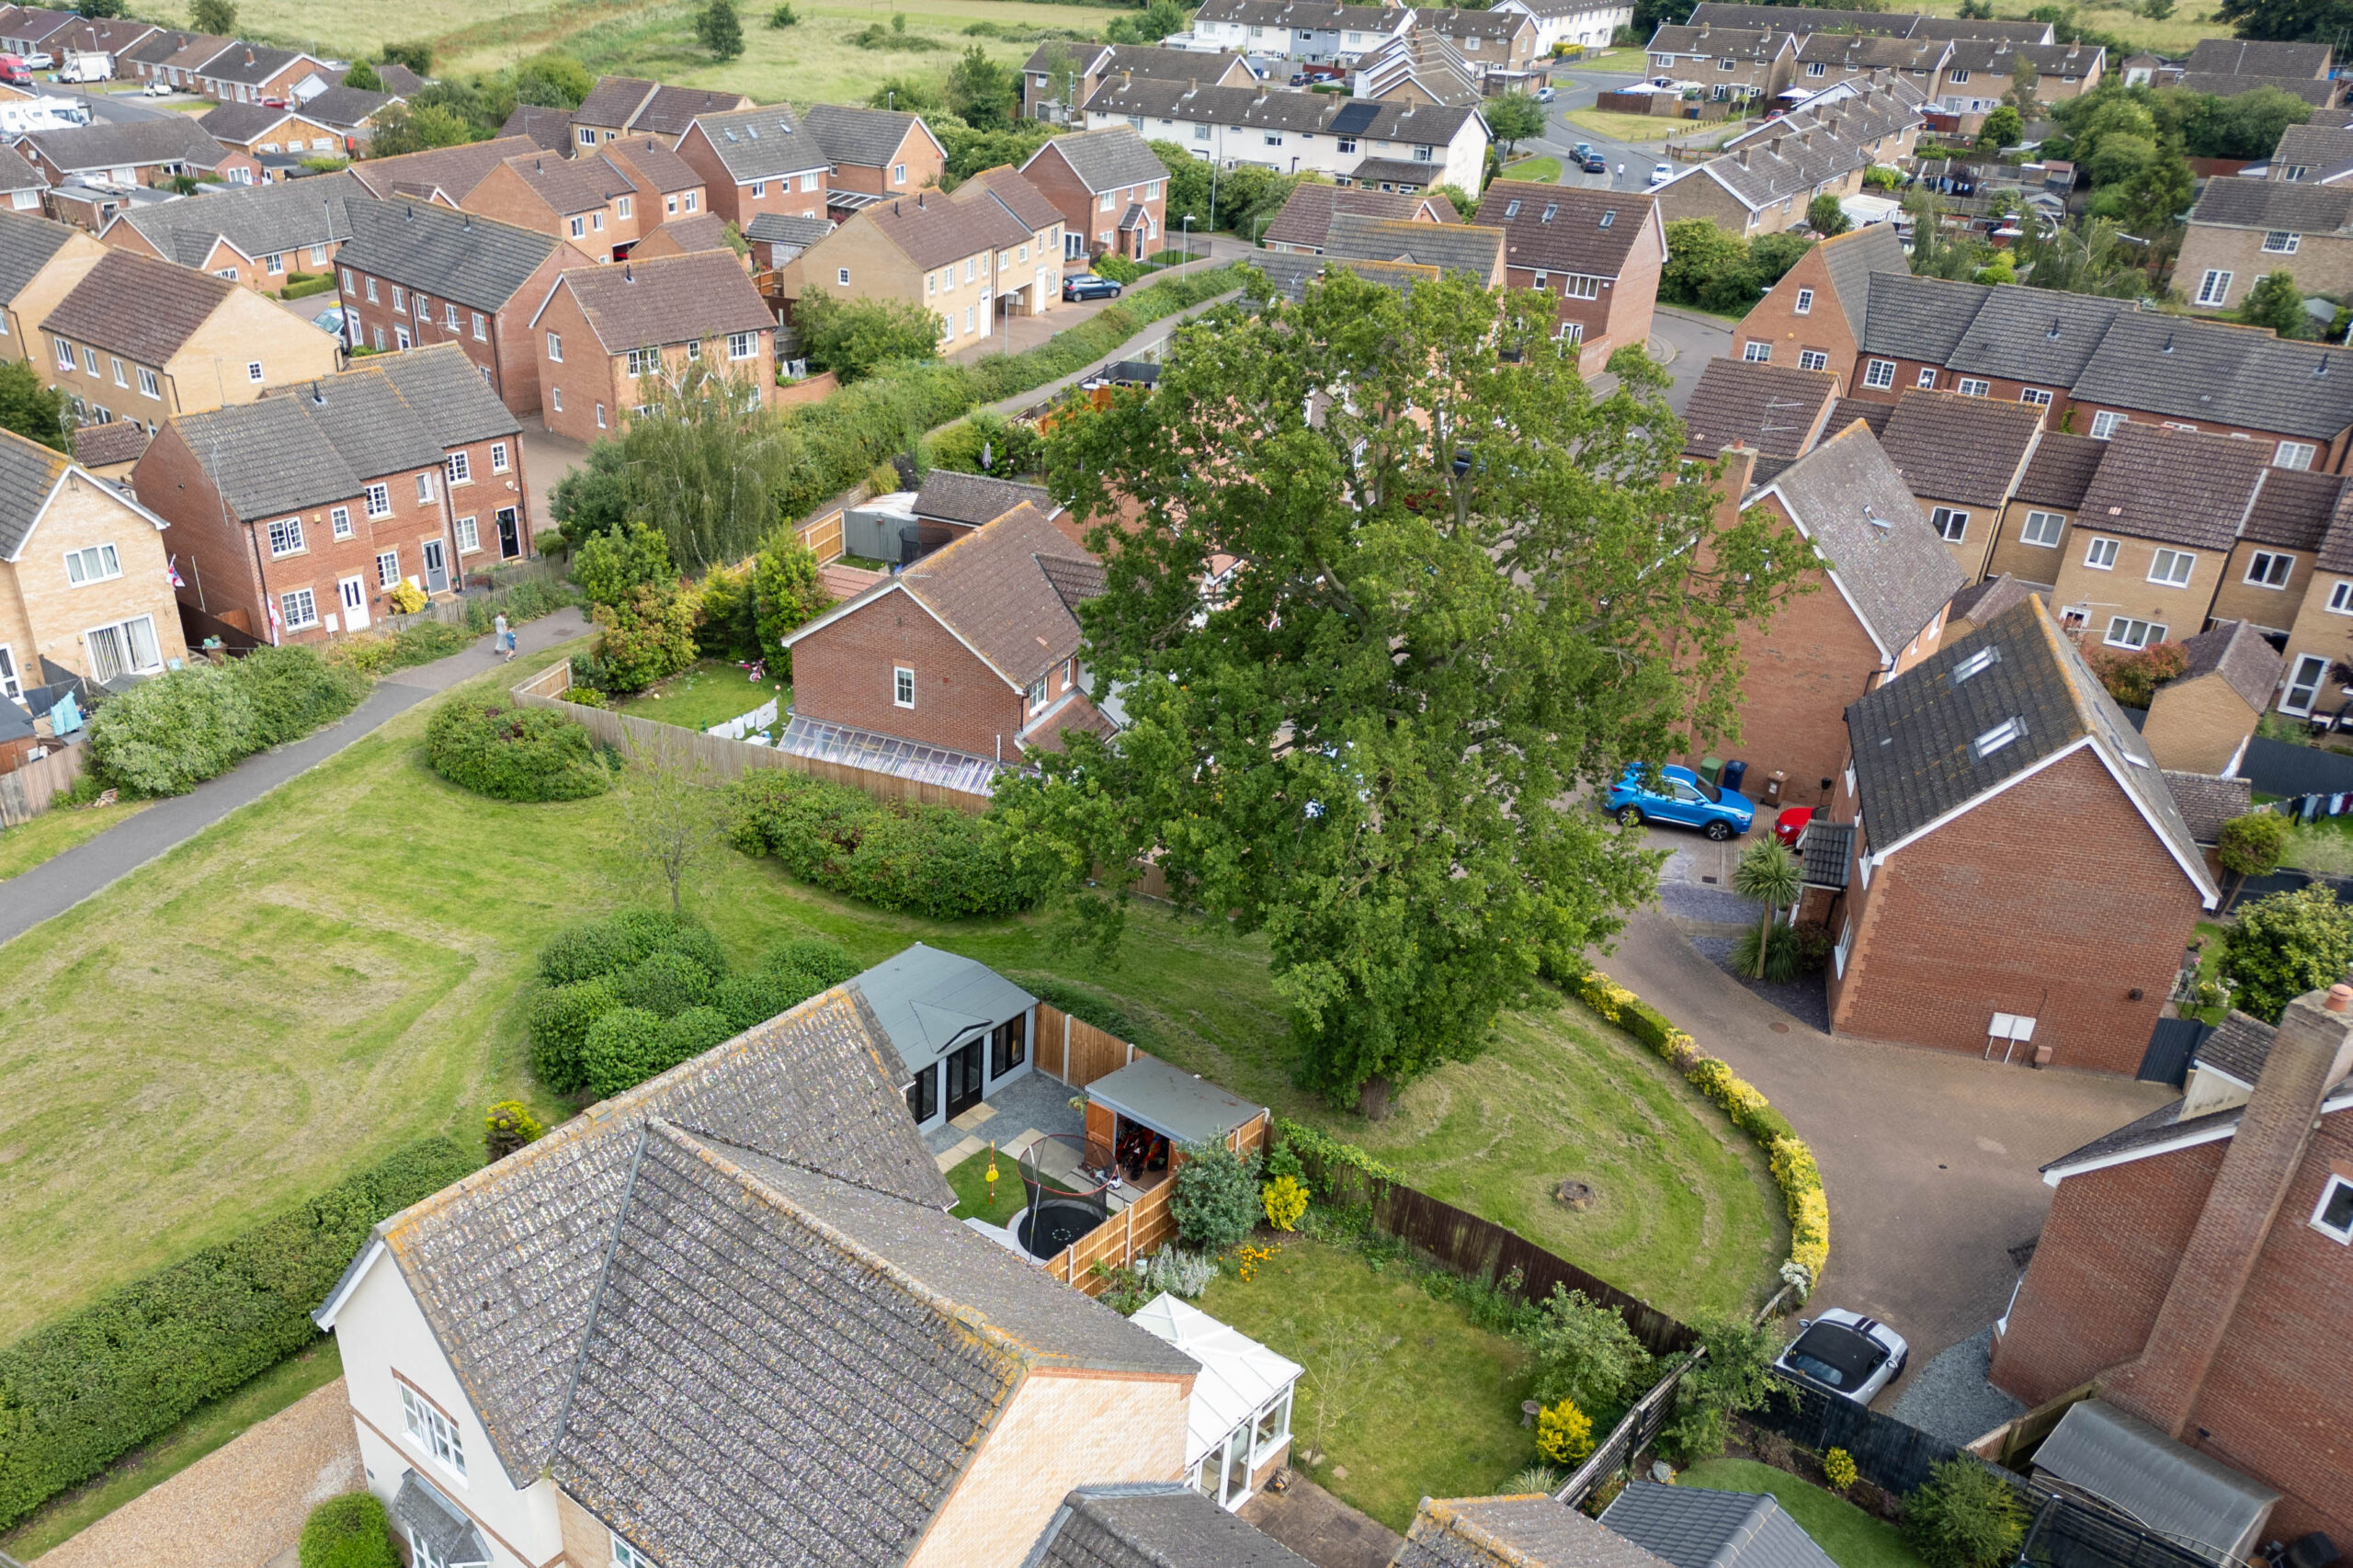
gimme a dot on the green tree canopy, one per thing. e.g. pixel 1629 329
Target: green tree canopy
pixel 213 17
pixel 2285 944
pixel 979 91
pixel 363 76
pixel 1155 22
pixel 970 149
pixel 552 81
pixel 705 465
pixel 855 338
pixel 2245 125
pixel 1513 118
pixel 719 29
pixel 2003 128
pixel 2287 19
pixel 1825 216
pixel 611 567
pixel 404 129
pixel 1465 588
pixel 2275 301
pixel 31 409
pixel 416 56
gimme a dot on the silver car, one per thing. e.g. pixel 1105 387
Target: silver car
pixel 1844 1354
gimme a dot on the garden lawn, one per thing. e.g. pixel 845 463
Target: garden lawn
pixel 1634 59
pixel 1852 1538
pixel 1401 1390
pixel 54 832
pixel 1627 127
pixel 707 692
pixel 1535 170
pixel 971 1182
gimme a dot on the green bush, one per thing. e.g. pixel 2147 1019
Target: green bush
pixel 560 1017
pixel 349 1531
pixel 928 860
pixel 294 691
pixel 84 1389
pixel 2285 944
pixel 1585 1352
pixel 1215 1203
pixel 166 735
pixel 623 1049
pixel 693 1032
pixel 514 754
pixel 665 984
pixel 507 1126
pixel 1964 1515
pixel 621 941
pixel 1084 1006
pixel 749 1000
pixel 827 963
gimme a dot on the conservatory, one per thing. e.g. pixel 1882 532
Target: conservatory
pixel 1237 1430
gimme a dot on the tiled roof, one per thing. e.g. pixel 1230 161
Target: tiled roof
pixel 2293 509
pixel 2162 1125
pixel 1831 135
pixel 2321 149
pixel 782 228
pixel 2239 1046
pixel 571 185
pixel 782 1365
pixel 1856 508
pixel 863 138
pixel 1827 851
pixel 2032 334
pixel 27 244
pixel 17 175
pixel 1144 60
pixel 1720 43
pixel 451 256
pixel 2218 374
pixel 2236 651
pixel 2175 486
pixel 931 233
pixel 2253 57
pixel 1852 257
pixel 1981 602
pixel 671 110
pixel 650 161
pixel 1694 1527
pixel 243 122
pixel 346 431
pixel 2336 544
pixel 259 220
pixel 1397 171
pixel 1117 157
pixel 1918 318
pixel 1288 274
pixel 1901 24
pixel 2312 90
pixel 1323 14
pixel 990 589
pixel 1914 740
pixel 108 145
pixel 2298 206
pixel 29 472
pixel 1864 52
pixel 761 144
pixel 1870 410
pixel 1427 60
pixel 442 389
pixel 1162 1524
pixel 1527 1531
pixel 138 307
pixel 976 498
pixel 1307 211
pixel 506 1263
pixel 614 101
pixel 2207 802
pixel 1553 228
pixel 1474 250
pixel 117 441
pixel 671 299
pixel 1024 201
pixel 251 64
pixel 1773 408
pixel 704 230
pixel 1969 449
pixel 1456 23
pixel 400 80
pixel 454 170
pixel 2060 469
pixel 2000 56
pixel 550 128
pixel 1277 109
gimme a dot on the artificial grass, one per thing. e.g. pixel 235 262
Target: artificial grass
pixel 1852 1538
pixel 54 832
pixel 707 692
pixel 1401 1390
pixel 973 1200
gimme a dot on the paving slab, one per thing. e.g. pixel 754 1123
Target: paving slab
pixel 1321 1527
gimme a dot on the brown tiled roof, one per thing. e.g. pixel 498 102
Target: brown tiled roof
pixel 1307 214
pixel 455 170
pixel 120 441
pixel 1773 408
pixel 2336 544
pixel 1870 410
pixel 652 162
pixel 550 128
pixel 2060 469
pixel 614 101
pixel 932 234
pixel 991 589
pixel 2237 652
pixel 1024 200
pixel 2174 487
pixel 138 307
pixel 704 230
pixel 950 497
pixel 672 299
pixel 1981 602
pixel 2293 509
pixel 1969 449
pixel 1555 228
pixel 568 185
pixel 671 110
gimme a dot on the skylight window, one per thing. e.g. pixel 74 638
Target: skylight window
pixel 1976 664
pixel 1997 737
pixel 1609 217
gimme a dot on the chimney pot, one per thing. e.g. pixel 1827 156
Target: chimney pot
pixel 2338 995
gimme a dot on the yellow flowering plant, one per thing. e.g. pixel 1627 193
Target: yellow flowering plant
pixel 1286 1199
pixel 1563 1433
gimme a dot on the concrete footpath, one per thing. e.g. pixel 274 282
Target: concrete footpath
pixel 59 883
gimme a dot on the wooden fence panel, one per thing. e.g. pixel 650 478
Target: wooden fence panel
pixel 26 793
pixel 1094 1053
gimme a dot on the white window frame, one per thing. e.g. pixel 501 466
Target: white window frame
pixel 902 687
pixel 498 457
pixel 121 630
pixel 339 520
pixel 2172 568
pixel 2101 554
pixel 299 619
pixel 1973 386
pixel 2265 564
pixel 1813 359
pixel 2000 736
pixel 2105 422
pixel 1756 351
pixel 555 349
pixel 627 1556
pixel 2054 523
pixel 1846 941
pixel 388 567
pixel 1880 374
pixel 285 538
pixel 2329 1191
pixel 378 500
pixel 469 536
pixel 2295 455
pixel 742 345
pixel 2340 598
pixel 2034 395
pixel 148 385
pixel 1926 378
pixel 2122 628
pixel 434 1434
pixel 2310 674
pixel 11 686
pixel 2281 242
pixel 460 466
pixel 424 488
pixel 93 564
pixel 2214 288
pixel 1804 305
pixel 1952 524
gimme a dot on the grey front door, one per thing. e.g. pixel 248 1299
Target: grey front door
pixel 437 568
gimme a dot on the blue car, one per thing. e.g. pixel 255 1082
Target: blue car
pixel 1682 796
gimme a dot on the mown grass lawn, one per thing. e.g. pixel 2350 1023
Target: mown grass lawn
pixel 1627 127
pixel 1403 1392
pixel 54 832
pixel 1534 171
pixel 1852 1538
pixel 707 692
pixel 970 1181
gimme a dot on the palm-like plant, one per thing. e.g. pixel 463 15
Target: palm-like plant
pixel 1769 873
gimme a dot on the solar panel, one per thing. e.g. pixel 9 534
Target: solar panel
pixel 1355 118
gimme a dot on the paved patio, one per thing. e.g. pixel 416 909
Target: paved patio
pixel 1013 1118
pixel 1321 1527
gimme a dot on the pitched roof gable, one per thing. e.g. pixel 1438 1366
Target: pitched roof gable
pixel 990 589
pixel 1153 1525
pixel 451 255
pixel 864 138
pixel 672 299
pixel 1307 213
pixel 2182 487
pixel 1530 1530
pixel 2060 469
pixel 1108 159
pixel 766 143
pixel 2219 374
pixel 931 233
pixel 27 244
pixel 29 472
pixel 2238 652
pixel 1776 409
pixel 1552 228
pixel 1969 450
pixel 452 170
pixel 1887 563
pixel 1695 1527
pixel 1474 250
pixel 976 498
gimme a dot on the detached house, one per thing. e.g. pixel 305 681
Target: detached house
pixel 756 160
pixel 604 329
pixel 118 156
pixel 138 338
pixel 1957 771
pixel 1597 253
pixel 929 250
pixel 629 106
pixel 1110 189
pixel 85 575
pixel 253 73
pixel 1092 65
pixel 873 154
pixel 39 263
pixel 2187 1272
pixel 2244 230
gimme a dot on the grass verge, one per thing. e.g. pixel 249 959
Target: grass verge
pixel 707 692
pixel 1535 170
pixel 1852 1538
pixel 55 831
pixel 1627 127
pixel 1405 1396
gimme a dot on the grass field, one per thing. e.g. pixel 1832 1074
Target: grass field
pixel 1535 170
pixel 707 692
pixel 1851 1538
pixel 2177 34
pixel 1403 1392
pixel 54 833
pixel 1627 127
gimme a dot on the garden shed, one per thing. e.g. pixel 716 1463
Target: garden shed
pixel 960 1028
pixel 1237 1428
pixel 1148 1109
pixel 2099 1451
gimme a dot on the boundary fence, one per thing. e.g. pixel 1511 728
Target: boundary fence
pixel 25 792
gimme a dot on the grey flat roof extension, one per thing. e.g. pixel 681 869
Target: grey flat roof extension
pixel 1173 1104
pixel 927 1001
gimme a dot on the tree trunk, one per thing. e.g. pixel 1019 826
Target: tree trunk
pixel 1763 938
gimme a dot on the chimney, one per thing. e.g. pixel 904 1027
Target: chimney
pixel 1740 467
pixel 2310 1052
pixel 1743 156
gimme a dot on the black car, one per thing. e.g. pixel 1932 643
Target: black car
pixel 1594 163
pixel 1087 286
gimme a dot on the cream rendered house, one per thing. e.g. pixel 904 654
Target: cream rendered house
pixel 84 578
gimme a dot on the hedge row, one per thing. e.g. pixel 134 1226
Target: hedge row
pixel 1326 1158
pixel 510 753
pixel 81 1392
pixel 167 734
pixel 928 860
pixel 1794 1171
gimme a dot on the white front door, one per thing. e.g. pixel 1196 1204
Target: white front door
pixel 2304 686
pixel 354 604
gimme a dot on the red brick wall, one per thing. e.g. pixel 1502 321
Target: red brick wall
pixel 1071 199
pixel 1999 911
pixel 214 559
pixel 486 492
pixel 843 675
pixel 923 162
pixel 1774 320
pixel 506 349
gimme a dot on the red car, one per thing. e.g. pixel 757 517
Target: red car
pixel 1790 824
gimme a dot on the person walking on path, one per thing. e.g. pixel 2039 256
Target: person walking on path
pixel 503 639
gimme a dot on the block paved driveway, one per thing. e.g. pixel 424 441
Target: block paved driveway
pixel 1929 1158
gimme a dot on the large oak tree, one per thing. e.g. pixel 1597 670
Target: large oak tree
pixel 1390 588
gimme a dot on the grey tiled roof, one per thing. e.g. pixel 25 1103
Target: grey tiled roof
pixel 761 144
pixel 1397 171
pixel 1112 158
pixel 671 299
pixel 117 441
pixel 251 64
pixel 1918 318
pixel 2239 1046
pixel 866 138
pixel 1774 408
pixel 422 1511
pixel 28 471
pixel 2236 651
pixel 2060 469
pixel 1527 1531
pixel 1474 250
pixel 2000 56
pixel 2321 149
pixel 242 122
pixel 1153 1525
pixel 1855 507
pixel 1827 852
pixel 671 110
pixel 1969 450
pixel 550 128
pixel 16 174
pixel 449 256
pixel 2293 509
pixel 267 457
pixel 504 1264
pixel 137 306
pixel 2034 335
pixel 976 498
pixel 1694 1527
pixel 321 441
pixel 1288 274
pixel 1319 13
pixel 2253 57
pixel 1981 602
pixel 1864 52
pixel 2160 1126
pixel 1828 137
pixel 260 220
pixel 444 390
pixel 346 107
pixel 1552 228
pixel 1307 211
pixel 614 101
pixel 1277 109
pixel 1719 43
pixel 2312 90
pixel 2207 802
pixel 1871 411
pixel 2175 486
pixel 782 228
pixel 1851 258
pixel 786 1368
pixel 108 144
pixel 2299 206
pixel 1914 739
pixel 27 244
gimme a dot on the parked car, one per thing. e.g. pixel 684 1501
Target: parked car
pixel 329 319
pixel 1845 1354
pixel 156 89
pixel 1790 825
pixel 40 59
pixel 1594 163
pixel 1662 173
pixel 1682 796
pixel 1543 95
pixel 1583 150
pixel 1088 286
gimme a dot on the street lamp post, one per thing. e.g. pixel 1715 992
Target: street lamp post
pixel 1188 236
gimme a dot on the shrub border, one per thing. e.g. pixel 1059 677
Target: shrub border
pixel 1792 1161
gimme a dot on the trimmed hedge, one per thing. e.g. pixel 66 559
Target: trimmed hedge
pixel 511 753
pixel 623 1049
pixel 349 1531
pixel 622 941
pixel 80 1392
pixel 560 1017
pixel 1794 1171
pixel 928 860
pixel 665 984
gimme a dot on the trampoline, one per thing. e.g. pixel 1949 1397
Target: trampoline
pixel 1062 1208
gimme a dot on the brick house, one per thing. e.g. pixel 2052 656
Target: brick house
pixel 171 57
pixel 928 250
pixel 2201 721
pixel 1030 270
pixel 1777 413
pixel 962 502
pixel 85 575
pixel 261 131
pixel 630 106
pixel 142 339
pixel 2032 536
pixel 137 151
pixel 973 649
pixel 2242 230
pixel 254 73
pixel 40 261
pixel 873 152
pixel 601 203
pixel 1110 189
pixel 2313 153
pixel 1963 458
pixel 22 187
pixel 756 160
pixel 549 127
pixel 603 329
pixel 1959 772
pixel 1763 180
pixel 23 29
pixel 683 236
pixel 481 449
pixel 1877 610
pixel 415 273
pixel 255 235
pixel 1498 46
pixel 1597 253
pixel 1307 214
pixel 1733 63
pixel 1092 65
pixel 2188 1264
pixel 1978 73
pixel 445 175
pixel 351 113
